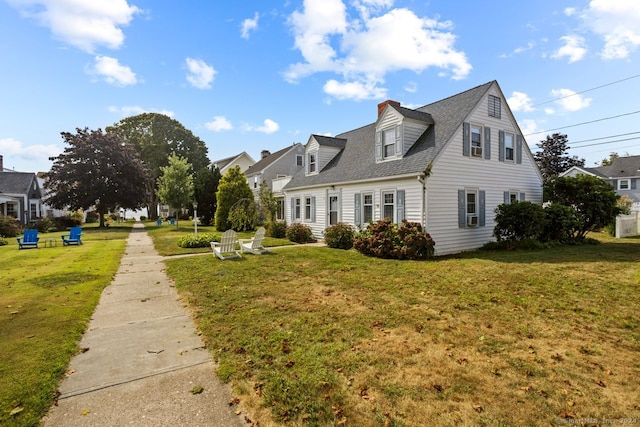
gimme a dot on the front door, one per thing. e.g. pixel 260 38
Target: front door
pixel 333 210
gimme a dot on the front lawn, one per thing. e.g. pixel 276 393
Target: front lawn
pixel 47 296
pixel 320 336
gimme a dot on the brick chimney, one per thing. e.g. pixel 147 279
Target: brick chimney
pixel 1 164
pixel 264 153
pixel 384 104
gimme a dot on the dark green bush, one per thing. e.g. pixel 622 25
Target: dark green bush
pixel 9 226
pixel 518 221
pixel 43 224
pixel 92 217
pixel 277 229
pixel 243 216
pixel 384 239
pixel 339 236
pixel 561 223
pixel 143 218
pixel 64 222
pixel 202 241
pixel 299 233
pixel 3 241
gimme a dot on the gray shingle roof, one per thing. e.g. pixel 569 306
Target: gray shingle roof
pixel 620 168
pixel 356 162
pixel 16 182
pixel 263 163
pixel 329 141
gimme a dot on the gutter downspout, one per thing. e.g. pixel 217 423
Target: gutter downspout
pixel 423 180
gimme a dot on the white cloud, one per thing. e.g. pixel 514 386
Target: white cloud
pixel 13 148
pixel 570 11
pixel 520 101
pixel 528 127
pixel 112 72
pixel 218 124
pixel 83 24
pixel 549 111
pixel 618 22
pixel 249 25
pixel 200 74
pixel 357 91
pixel 269 127
pixel 364 49
pixel 134 110
pixel 411 87
pixel 573 48
pixel 569 100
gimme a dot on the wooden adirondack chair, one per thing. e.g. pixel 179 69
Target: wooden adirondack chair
pixel 28 240
pixel 254 245
pixel 226 249
pixel 73 238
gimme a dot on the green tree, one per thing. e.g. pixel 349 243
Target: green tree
pixel 205 187
pixel 552 159
pixel 97 169
pixel 175 184
pixel 268 203
pixel 594 200
pixel 157 136
pixel 610 160
pixel 232 190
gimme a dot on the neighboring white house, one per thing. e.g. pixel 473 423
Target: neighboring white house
pixel 243 160
pixel 623 174
pixel 276 169
pixel 20 195
pixel 446 165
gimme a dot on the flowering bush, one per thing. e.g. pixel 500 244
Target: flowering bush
pixel 300 233
pixel 384 239
pixel 339 236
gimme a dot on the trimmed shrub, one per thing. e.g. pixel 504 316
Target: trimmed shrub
pixel 339 236
pixel 143 218
pixel 3 241
pixel 384 239
pixel 277 229
pixel 561 223
pixel 92 217
pixel 299 233
pixel 9 226
pixel 518 221
pixel 64 222
pixel 43 224
pixel 202 241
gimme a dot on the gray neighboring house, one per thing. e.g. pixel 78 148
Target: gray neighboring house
pixel 623 174
pixel 446 165
pixel 20 195
pixel 276 169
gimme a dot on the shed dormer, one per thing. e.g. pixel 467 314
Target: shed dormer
pixel 320 150
pixel 397 129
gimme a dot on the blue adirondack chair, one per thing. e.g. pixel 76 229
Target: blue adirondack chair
pixel 73 238
pixel 159 222
pixel 28 240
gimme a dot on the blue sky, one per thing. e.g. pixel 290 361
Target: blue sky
pixel 254 75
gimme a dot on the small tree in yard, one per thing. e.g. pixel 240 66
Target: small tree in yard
pixel 205 187
pixel 594 200
pixel 97 169
pixel 268 203
pixel 232 188
pixel 518 221
pixel 175 185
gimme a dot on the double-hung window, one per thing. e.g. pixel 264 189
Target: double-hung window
pixel 476 141
pixel 307 208
pixel 299 160
pixel 12 210
pixel 389 143
pixel 313 162
pixel 472 208
pixel 367 208
pixel 623 184
pixel 297 208
pixel 508 147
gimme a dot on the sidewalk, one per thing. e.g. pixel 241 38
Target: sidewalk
pixel 143 356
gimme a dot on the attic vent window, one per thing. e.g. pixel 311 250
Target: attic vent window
pixel 494 106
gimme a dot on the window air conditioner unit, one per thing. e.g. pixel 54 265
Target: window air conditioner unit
pixel 476 151
pixel 472 220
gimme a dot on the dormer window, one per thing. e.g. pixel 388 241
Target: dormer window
pixel 389 141
pixel 313 162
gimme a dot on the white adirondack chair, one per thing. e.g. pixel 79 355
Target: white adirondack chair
pixel 226 249
pixel 254 245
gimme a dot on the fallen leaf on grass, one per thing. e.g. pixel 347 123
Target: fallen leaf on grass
pixel 478 408
pixel 85 412
pixel 197 390
pixel 234 401
pixel 601 383
pixel 289 363
pixel 16 410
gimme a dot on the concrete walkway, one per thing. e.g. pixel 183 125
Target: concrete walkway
pixel 143 356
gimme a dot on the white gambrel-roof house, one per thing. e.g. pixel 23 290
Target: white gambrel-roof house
pixel 446 165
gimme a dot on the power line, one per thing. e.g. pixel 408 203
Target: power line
pixel 584 123
pixel 586 90
pixel 608 142
pixel 604 137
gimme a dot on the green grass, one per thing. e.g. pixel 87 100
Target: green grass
pixel 47 296
pixel 165 237
pixel 317 336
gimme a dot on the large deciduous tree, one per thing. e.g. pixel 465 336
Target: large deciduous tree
pixel 175 184
pixel 157 136
pixel 594 201
pixel 552 159
pixel 232 190
pixel 205 187
pixel 97 169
